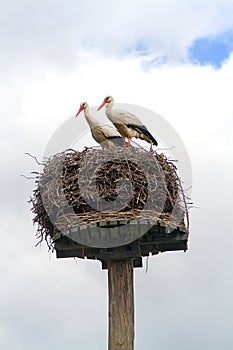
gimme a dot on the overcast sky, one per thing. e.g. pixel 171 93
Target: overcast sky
pixel 174 58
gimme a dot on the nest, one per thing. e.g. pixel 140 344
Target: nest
pixel 104 185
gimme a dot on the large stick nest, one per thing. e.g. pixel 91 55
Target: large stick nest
pixel 104 185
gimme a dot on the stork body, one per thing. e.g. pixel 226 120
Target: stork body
pixel 127 123
pixel 104 134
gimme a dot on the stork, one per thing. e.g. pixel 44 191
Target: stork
pixel 126 123
pixel 105 135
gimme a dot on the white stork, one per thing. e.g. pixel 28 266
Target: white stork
pixel 105 135
pixel 126 123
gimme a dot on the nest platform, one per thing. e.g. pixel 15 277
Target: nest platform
pixel 73 204
pixel 159 237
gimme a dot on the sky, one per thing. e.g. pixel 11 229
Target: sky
pixel 174 58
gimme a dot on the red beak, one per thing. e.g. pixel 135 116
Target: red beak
pixel 101 105
pixel 80 110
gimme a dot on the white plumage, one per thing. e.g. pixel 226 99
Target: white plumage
pixel 127 123
pixel 105 135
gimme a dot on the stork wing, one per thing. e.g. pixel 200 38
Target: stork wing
pixel 116 140
pixel 109 132
pixel 142 129
pixel 112 135
pixel 105 133
pixel 124 117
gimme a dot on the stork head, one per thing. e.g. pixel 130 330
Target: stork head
pixel 107 99
pixel 83 105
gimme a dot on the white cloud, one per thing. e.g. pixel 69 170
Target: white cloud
pixel 184 291
pixel 197 102
pixel 51 31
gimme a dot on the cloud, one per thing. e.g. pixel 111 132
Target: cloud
pixel 40 303
pixel 182 290
pixel 47 70
pixel 58 33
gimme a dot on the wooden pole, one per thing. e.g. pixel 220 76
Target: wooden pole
pixel 121 305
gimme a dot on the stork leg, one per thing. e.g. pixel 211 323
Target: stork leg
pixel 129 138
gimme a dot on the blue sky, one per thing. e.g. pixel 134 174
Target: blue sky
pixel 213 50
pixel 55 54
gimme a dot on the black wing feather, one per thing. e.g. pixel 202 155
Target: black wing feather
pixel 143 130
pixel 117 140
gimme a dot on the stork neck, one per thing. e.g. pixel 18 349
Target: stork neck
pixel 109 108
pixel 91 121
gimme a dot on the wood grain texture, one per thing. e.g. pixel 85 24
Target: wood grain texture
pixel 121 305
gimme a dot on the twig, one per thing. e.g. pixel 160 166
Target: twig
pixel 29 154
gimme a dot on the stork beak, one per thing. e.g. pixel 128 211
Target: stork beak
pixel 80 110
pixel 101 105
